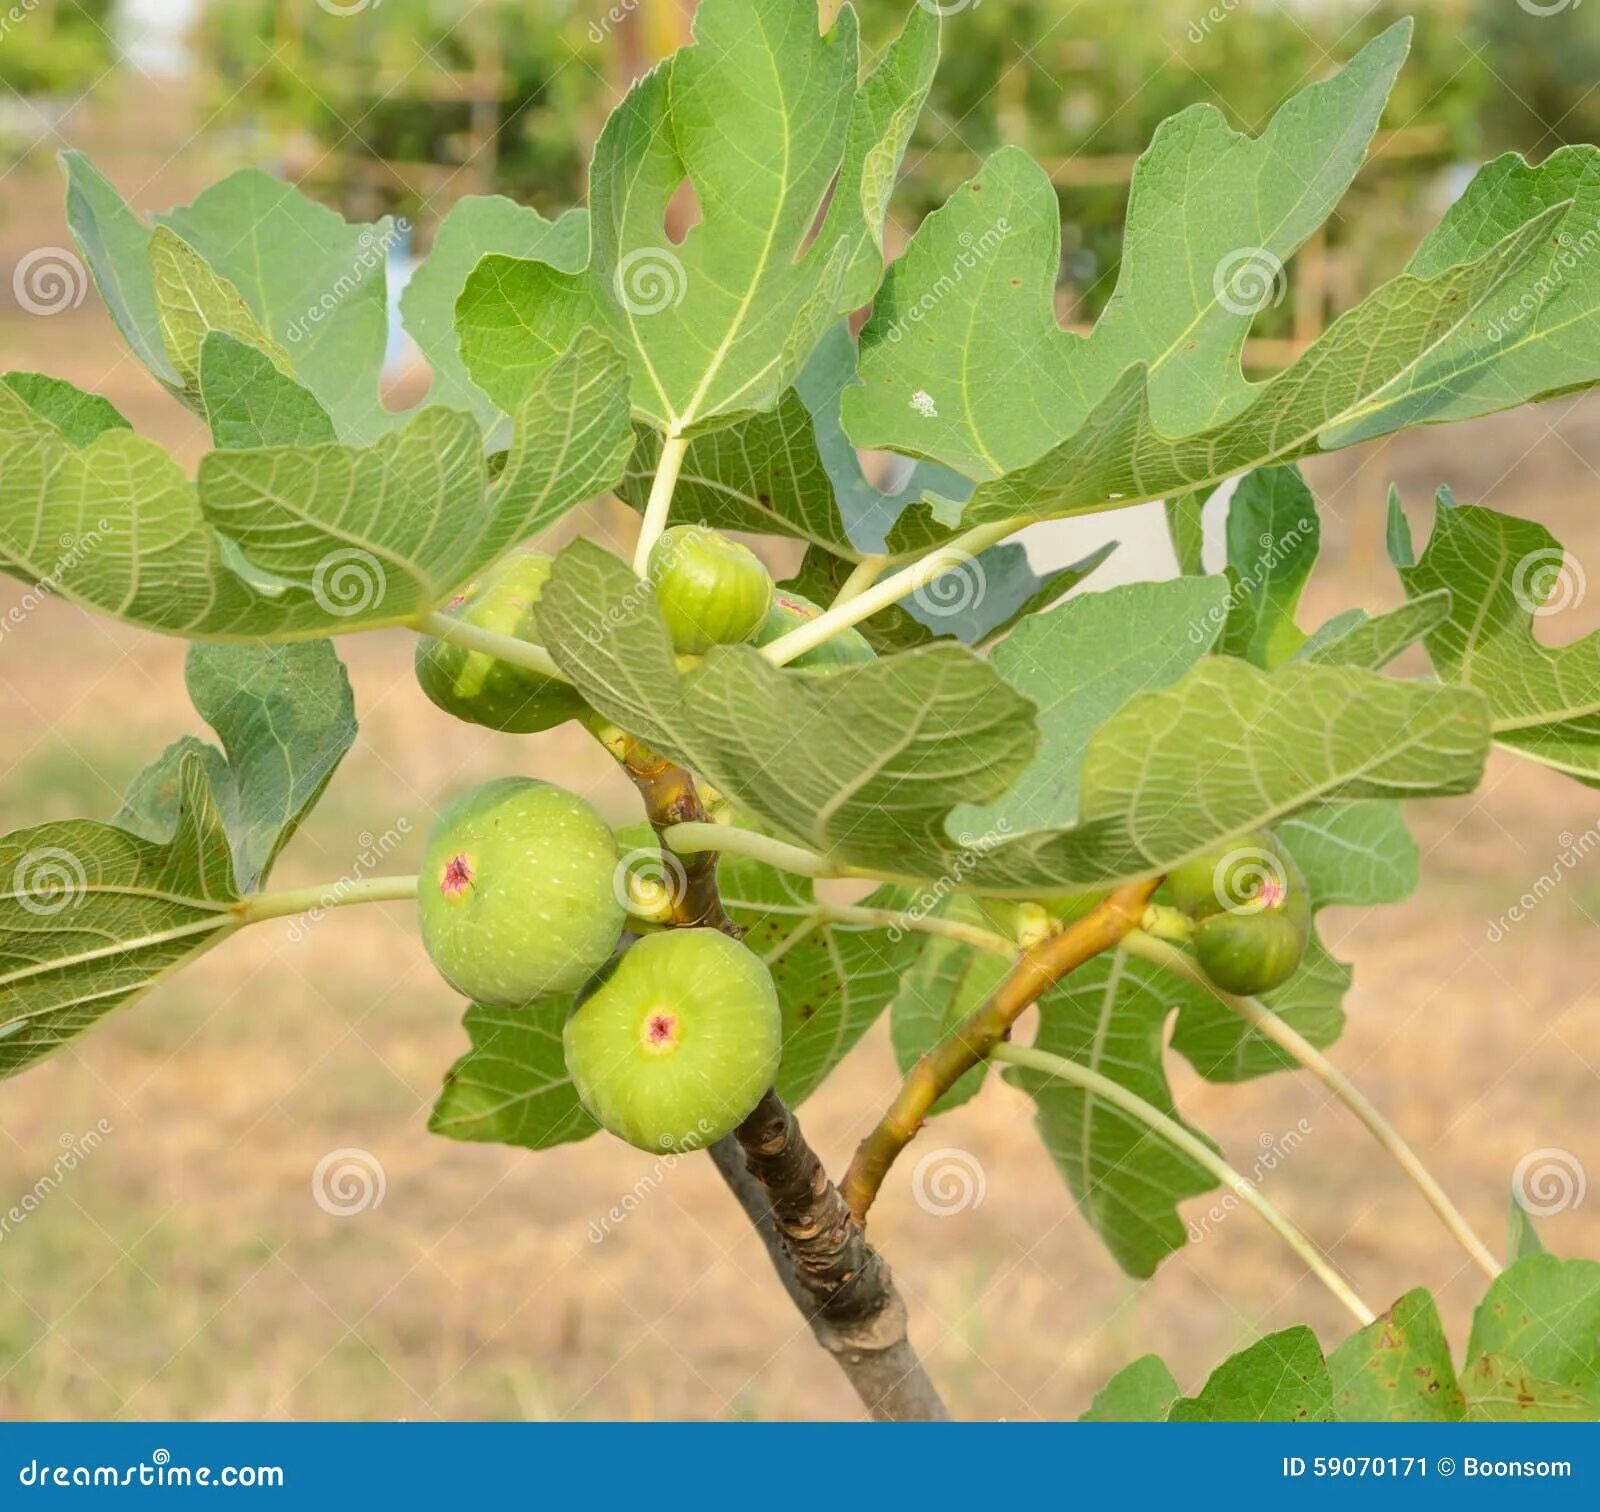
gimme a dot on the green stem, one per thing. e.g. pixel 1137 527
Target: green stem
pixel 891 590
pixel 862 576
pixel 1271 1027
pixel 506 648
pixel 339 894
pixel 1060 1069
pixel 690 839
pixel 907 923
pixel 659 504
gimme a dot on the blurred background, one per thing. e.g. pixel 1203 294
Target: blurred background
pixel 192 1264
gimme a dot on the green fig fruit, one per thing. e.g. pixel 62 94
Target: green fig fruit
pixel 519 892
pixel 676 1044
pixel 1252 912
pixel 483 689
pixel 789 611
pixel 711 591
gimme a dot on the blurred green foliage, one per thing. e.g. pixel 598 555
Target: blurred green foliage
pixel 390 81
pixel 1546 70
pixel 54 47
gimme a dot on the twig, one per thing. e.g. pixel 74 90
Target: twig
pixel 876 1356
pixel 1039 969
pixel 1198 1151
pixel 841 1285
pixel 1287 1038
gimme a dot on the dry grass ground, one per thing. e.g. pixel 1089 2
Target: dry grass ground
pixel 185 1271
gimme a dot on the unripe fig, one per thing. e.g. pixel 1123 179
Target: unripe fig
pixel 1251 909
pixel 518 892
pixel 480 688
pixel 678 1042
pixel 1252 871
pixel 791 610
pixel 711 591
pixel 1250 953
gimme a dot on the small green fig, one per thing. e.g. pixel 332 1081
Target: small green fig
pixel 711 591
pixel 483 689
pixel 1029 924
pixel 1252 869
pixel 1252 912
pixel 518 895
pixel 678 1041
pixel 791 610
pixel 1250 953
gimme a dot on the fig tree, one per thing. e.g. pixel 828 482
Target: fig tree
pixel 677 1043
pixel 789 611
pixel 483 689
pixel 711 591
pixel 518 894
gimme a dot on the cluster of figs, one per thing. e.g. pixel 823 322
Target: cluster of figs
pixel 674 1034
